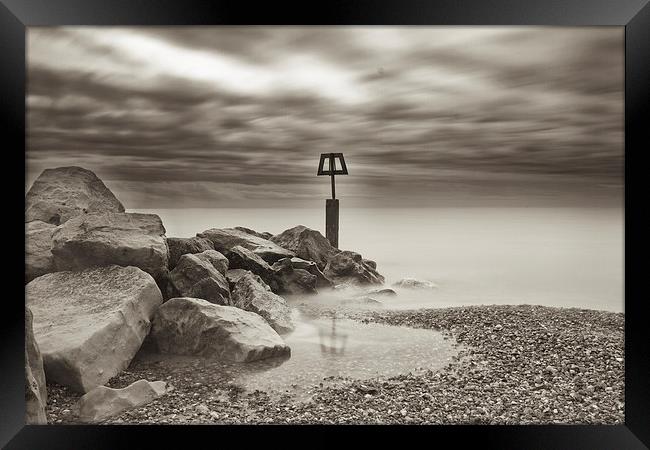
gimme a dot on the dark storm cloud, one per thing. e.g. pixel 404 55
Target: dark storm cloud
pixel 238 115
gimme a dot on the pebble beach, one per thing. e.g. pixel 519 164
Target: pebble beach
pixel 516 365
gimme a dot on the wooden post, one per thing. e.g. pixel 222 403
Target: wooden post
pixel 332 221
pixel 332 204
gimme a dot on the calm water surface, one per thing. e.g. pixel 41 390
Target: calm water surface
pixel 569 257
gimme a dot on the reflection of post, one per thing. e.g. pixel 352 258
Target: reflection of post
pixel 334 347
pixel 332 221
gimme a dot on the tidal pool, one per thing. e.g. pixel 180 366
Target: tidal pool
pixel 325 352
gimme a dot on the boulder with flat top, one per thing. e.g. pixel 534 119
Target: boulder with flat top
pixel 89 324
pixel 191 326
pixel 101 239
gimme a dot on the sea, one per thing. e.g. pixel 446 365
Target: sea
pixel 552 256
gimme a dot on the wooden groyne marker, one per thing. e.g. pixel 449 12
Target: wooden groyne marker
pixel 332 204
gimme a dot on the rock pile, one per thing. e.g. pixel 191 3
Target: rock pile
pixel 101 281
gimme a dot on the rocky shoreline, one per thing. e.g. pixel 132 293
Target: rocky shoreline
pixel 518 365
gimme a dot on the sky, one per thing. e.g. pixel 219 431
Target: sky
pixel 176 117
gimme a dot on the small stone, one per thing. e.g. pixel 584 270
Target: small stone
pixel 202 409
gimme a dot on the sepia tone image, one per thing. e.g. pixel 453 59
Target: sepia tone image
pixel 324 225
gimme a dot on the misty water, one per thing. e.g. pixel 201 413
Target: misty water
pixel 569 257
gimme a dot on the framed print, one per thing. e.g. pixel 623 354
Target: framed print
pixel 416 218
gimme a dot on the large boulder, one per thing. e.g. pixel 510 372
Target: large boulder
pixel 104 402
pixel 252 294
pixel 101 239
pixel 195 276
pixel 306 244
pixel 350 268
pixel 38 249
pixel 59 194
pixel 90 324
pixel 241 258
pixel 182 246
pixel 192 326
pixel 35 387
pixel 225 239
pixel 293 281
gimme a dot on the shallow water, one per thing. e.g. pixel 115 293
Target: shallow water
pixel 327 349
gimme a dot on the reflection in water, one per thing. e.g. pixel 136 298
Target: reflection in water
pixel 326 350
pixel 332 343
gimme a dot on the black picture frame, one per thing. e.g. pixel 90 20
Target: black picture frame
pixel 16 15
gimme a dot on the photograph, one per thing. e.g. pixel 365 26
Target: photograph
pixel 336 225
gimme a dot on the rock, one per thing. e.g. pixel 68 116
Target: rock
pixel 293 281
pixel 264 235
pixel 182 246
pixel 226 238
pixel 310 266
pixel 202 409
pixel 38 249
pixel 101 239
pixel 242 258
pixel 104 402
pixel 215 258
pixel 35 387
pixel 252 294
pixel 412 283
pixel 90 324
pixel 194 276
pixel 306 244
pixel 60 194
pixel 191 326
pixel 349 268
